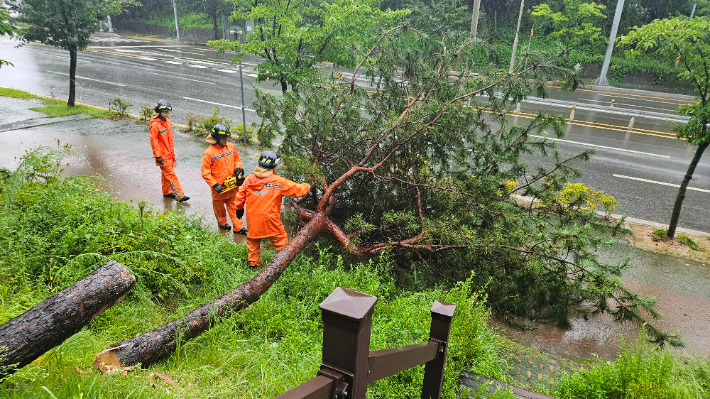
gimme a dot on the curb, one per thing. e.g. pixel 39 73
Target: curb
pixel 621 90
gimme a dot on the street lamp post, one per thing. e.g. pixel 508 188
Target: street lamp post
pixel 515 42
pixel 177 23
pixel 610 48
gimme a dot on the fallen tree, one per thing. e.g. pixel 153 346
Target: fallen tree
pixel 45 326
pixel 421 165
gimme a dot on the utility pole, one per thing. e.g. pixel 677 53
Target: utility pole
pixel 108 22
pixel 177 22
pixel 515 42
pixel 610 48
pixel 474 19
pixel 692 13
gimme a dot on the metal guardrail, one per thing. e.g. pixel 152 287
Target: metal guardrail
pixel 348 365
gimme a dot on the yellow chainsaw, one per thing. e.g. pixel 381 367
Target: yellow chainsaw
pixel 232 182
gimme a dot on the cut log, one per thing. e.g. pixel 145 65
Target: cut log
pixel 31 334
pixel 154 345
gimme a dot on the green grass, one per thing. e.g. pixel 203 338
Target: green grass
pixel 640 372
pixel 54 107
pixel 58 230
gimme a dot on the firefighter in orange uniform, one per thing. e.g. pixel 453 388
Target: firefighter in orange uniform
pixel 161 140
pixel 261 193
pixel 220 162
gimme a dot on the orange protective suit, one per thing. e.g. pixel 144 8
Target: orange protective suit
pixel 161 140
pixel 218 163
pixel 261 194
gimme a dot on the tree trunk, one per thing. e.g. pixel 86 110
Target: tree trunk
pixel 154 345
pixel 31 334
pixel 683 188
pixel 214 25
pixel 72 75
pixel 284 86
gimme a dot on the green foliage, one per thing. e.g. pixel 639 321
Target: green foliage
pixel 689 39
pixel 147 112
pixel 639 372
pixel 53 107
pixel 191 119
pixel 204 124
pixel 576 197
pixel 685 240
pixel 574 23
pixel 67 24
pixel 658 234
pixel 5 28
pixel 57 231
pixel 119 106
pixel 425 178
pixel 293 38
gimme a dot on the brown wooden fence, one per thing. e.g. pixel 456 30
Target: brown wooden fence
pixel 348 365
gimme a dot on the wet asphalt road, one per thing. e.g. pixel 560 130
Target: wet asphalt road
pixel 641 168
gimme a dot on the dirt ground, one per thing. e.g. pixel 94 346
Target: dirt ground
pixel 643 238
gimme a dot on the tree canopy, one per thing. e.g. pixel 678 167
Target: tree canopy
pixel 5 28
pixel 688 42
pixel 67 24
pixel 293 35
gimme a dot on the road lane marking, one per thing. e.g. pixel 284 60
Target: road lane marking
pixel 173 62
pixel 52 55
pixel 196 66
pixel 252 75
pixel 660 183
pixel 222 105
pixel 178 77
pixel 601 146
pixel 95 80
pixel 227 70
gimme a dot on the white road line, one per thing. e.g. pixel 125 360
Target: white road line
pixel 52 55
pixel 173 62
pixel 227 70
pixel 95 80
pixel 660 182
pixel 147 58
pixel 252 75
pixel 178 77
pixel 196 66
pixel 602 146
pixel 222 105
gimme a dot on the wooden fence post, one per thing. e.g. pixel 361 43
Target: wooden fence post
pixel 441 315
pixel 347 321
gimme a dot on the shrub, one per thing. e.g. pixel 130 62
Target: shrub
pixel 204 124
pixel 119 106
pixel 146 112
pixel 576 196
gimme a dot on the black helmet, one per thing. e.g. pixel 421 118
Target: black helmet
pixel 269 159
pixel 219 131
pixel 161 106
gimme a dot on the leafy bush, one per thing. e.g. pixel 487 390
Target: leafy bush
pixel 146 112
pixel 204 124
pixel 119 106
pixel 639 372
pixel 576 196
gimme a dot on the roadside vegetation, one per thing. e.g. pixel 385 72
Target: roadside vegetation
pixel 54 107
pixel 59 229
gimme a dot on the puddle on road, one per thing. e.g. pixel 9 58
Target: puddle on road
pixel 683 300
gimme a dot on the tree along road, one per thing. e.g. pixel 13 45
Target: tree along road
pixel 640 167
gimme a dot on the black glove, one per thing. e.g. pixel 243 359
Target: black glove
pixel 218 188
pixel 239 174
pixel 159 160
pixel 240 213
